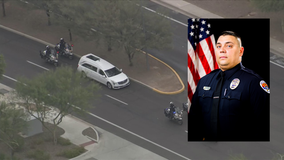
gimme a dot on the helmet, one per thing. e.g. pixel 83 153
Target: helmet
pixel 47 47
pixel 171 103
pixel 61 39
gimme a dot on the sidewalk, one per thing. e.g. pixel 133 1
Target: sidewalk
pixel 103 146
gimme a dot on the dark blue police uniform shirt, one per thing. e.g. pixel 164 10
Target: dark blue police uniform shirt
pixel 243 107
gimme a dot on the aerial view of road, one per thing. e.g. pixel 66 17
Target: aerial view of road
pixel 135 113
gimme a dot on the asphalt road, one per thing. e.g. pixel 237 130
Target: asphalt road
pixel 140 110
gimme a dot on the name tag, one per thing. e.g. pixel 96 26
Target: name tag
pixel 206 88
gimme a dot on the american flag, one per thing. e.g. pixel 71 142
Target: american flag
pixel 201 58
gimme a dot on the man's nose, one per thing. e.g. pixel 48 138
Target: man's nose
pixel 222 50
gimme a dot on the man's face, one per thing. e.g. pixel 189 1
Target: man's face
pixel 228 52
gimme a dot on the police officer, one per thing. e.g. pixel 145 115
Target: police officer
pixel 62 44
pixel 230 103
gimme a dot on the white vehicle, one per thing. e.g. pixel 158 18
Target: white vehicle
pixel 102 71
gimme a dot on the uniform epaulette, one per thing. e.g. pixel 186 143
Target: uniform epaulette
pixel 251 72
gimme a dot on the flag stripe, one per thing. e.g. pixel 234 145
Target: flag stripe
pixel 200 55
pixel 203 59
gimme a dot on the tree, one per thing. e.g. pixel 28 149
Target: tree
pixel 270 6
pixel 119 23
pixel 38 4
pixel 3 8
pixel 62 88
pixel 130 26
pixel 12 121
pixel 2 66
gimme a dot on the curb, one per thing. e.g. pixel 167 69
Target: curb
pixel 174 92
pixel 47 43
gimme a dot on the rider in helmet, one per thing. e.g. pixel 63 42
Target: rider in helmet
pixel 172 109
pixel 48 51
pixel 62 44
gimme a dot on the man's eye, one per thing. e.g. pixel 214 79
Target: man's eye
pixel 218 46
pixel 230 46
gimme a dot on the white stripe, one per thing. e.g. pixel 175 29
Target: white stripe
pixel 164 16
pixel 277 64
pixel 38 65
pixel 10 78
pixel 135 134
pixel 191 81
pixel 200 68
pixel 116 99
pixel 207 53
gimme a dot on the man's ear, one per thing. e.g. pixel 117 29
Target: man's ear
pixel 241 51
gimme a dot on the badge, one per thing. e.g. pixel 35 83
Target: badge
pixel 206 88
pixel 234 84
pixel 264 86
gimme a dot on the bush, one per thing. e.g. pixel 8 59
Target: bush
pixel 38 141
pixel 63 141
pixel 38 155
pixel 2 156
pixel 71 153
pixel 20 143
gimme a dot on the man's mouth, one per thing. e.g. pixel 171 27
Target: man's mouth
pixel 223 57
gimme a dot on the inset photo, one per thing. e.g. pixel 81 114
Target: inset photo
pixel 228 79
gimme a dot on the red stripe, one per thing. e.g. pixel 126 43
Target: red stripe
pixel 189 92
pixel 202 58
pixel 191 67
pixel 211 48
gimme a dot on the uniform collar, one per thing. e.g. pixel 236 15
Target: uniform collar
pixel 230 72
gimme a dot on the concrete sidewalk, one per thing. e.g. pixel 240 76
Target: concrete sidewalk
pixel 106 146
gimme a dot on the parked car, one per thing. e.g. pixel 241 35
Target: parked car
pixel 102 71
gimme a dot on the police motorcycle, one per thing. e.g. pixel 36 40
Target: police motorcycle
pixel 176 116
pixel 51 58
pixel 66 52
pixel 185 106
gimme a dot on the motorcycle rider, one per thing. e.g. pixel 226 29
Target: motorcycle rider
pixel 62 45
pixel 48 52
pixel 172 109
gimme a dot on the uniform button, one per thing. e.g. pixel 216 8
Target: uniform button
pixel 203 95
pixel 228 96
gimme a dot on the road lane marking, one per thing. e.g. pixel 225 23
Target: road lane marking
pixel 145 139
pixel 38 65
pixel 10 78
pixel 277 64
pixel 116 99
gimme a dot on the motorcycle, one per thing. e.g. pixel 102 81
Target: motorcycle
pixel 177 115
pixel 52 58
pixel 66 52
pixel 185 106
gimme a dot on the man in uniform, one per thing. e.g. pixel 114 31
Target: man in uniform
pixel 230 103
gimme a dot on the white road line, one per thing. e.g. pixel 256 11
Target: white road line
pixel 164 16
pixel 116 99
pixel 277 64
pixel 138 136
pixel 10 78
pixel 38 65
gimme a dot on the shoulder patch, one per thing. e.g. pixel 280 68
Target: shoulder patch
pixel 264 86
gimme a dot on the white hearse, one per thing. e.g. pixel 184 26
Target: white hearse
pixel 102 71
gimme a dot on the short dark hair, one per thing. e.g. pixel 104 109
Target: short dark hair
pixel 232 33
